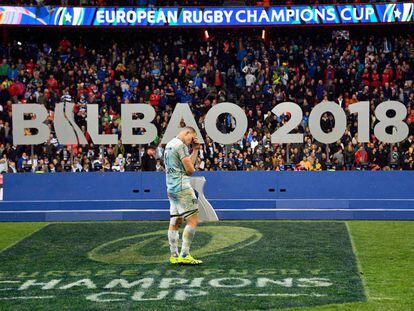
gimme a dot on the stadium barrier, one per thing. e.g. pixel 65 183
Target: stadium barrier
pixel 234 195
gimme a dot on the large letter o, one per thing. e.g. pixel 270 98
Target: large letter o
pixel 236 134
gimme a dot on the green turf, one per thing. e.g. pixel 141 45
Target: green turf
pixel 11 233
pixel 313 260
pixel 385 250
pixel 274 250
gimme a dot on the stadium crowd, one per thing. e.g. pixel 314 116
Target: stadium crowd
pixel 114 68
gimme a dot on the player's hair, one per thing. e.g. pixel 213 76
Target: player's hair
pixel 189 128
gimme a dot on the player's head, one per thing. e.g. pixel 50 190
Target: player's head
pixel 187 134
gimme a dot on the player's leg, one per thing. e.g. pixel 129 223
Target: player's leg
pixel 173 234
pixel 190 214
pixel 188 234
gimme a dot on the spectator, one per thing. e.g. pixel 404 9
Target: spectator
pixel 361 156
pixel 338 159
pixel 148 161
pixel 159 167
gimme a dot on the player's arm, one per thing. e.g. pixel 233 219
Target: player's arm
pixel 189 161
pixel 188 164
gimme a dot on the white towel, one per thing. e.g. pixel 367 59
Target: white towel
pixel 206 211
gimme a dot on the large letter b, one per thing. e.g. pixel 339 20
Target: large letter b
pixel 20 124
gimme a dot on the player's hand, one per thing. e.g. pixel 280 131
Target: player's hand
pixel 196 144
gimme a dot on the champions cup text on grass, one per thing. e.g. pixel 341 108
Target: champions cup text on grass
pixel 177 288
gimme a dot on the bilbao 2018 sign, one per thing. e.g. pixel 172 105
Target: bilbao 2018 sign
pixel 68 132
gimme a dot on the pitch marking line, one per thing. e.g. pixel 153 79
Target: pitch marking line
pixel 381 298
pixel 359 266
pixel 280 295
pixel 27 297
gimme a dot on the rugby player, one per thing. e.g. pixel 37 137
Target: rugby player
pixel 179 166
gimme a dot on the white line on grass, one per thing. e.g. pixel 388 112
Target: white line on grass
pixel 27 297
pixel 381 298
pixel 359 266
pixel 280 295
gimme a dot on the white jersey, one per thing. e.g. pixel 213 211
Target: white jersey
pixel 176 176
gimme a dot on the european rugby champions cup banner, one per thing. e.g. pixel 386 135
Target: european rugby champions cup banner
pixel 209 17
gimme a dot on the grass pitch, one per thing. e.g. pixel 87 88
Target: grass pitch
pixel 250 265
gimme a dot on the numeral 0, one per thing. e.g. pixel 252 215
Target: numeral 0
pixel 315 122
